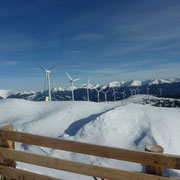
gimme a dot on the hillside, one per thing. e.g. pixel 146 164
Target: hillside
pixel 128 125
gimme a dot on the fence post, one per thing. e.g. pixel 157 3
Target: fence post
pixel 154 169
pixel 7 144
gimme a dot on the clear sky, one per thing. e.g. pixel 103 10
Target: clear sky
pixel 106 39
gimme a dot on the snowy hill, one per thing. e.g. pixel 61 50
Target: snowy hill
pixel 128 125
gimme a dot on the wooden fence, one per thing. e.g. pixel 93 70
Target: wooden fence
pixel 9 156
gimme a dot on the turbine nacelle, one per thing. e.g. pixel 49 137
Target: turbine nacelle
pixel 48 71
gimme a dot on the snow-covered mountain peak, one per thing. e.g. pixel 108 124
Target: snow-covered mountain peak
pixel 159 81
pixel 132 83
pixel 114 84
pixel 55 89
pixel 5 93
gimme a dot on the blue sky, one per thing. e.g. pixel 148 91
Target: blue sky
pixel 106 39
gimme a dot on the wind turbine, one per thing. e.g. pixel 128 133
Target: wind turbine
pixel 72 84
pixel 138 90
pixel 47 78
pixel 114 94
pixel 147 90
pixel 123 93
pixel 135 92
pixel 160 91
pixel 131 90
pixel 105 95
pixel 88 88
pixel 98 91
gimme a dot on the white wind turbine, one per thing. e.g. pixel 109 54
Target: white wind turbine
pixel 105 95
pixel 138 90
pixel 114 94
pixel 131 90
pixel 72 84
pixel 98 91
pixel 124 94
pixel 47 78
pixel 135 92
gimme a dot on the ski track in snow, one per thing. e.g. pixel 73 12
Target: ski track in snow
pixel 126 125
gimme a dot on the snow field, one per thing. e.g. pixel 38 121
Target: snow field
pixel 127 125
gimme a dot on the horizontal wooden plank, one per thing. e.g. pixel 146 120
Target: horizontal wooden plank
pixel 147 158
pixel 22 174
pixel 76 167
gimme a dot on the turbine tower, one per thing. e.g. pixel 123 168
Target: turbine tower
pixel 88 83
pixel 114 94
pixel 147 90
pixel 47 78
pixel 160 91
pixel 105 95
pixel 72 84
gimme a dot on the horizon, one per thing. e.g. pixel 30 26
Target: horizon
pixel 121 83
pixel 118 40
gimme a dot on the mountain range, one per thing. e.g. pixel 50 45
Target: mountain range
pixel 170 88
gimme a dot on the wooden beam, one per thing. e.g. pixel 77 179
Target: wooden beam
pixel 147 158
pixel 7 144
pixel 19 174
pixel 76 167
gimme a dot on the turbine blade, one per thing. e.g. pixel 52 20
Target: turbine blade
pixel 76 79
pixel 41 67
pixel 89 79
pixel 53 67
pixel 69 76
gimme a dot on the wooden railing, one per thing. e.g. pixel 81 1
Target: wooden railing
pixel 8 156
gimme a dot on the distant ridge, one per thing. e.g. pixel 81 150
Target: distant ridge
pixel 170 88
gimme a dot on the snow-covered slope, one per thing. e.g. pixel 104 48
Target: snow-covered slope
pixel 125 125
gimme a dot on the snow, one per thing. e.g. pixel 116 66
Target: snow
pixel 5 93
pixel 125 125
pixel 132 83
pixel 114 84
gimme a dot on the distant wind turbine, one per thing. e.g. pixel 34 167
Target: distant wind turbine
pixel 124 94
pixel 135 92
pixel 105 95
pixel 98 91
pixel 131 90
pixel 147 90
pixel 47 78
pixel 160 91
pixel 138 90
pixel 114 94
pixel 72 84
